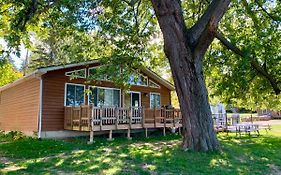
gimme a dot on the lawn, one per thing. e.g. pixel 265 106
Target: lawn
pixel 243 115
pixel 154 155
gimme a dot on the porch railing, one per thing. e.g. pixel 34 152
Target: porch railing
pixel 86 118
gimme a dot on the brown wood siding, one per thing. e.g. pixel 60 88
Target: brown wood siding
pixel 54 92
pixel 19 106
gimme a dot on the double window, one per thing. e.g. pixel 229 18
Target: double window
pixel 74 94
pixel 104 96
pixel 155 100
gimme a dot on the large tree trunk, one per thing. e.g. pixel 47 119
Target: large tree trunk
pixel 185 50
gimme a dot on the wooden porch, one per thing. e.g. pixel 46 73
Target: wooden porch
pixel 94 119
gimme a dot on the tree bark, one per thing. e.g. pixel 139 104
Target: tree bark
pixel 185 50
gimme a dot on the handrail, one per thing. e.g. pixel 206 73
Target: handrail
pixel 85 118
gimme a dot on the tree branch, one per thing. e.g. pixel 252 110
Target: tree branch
pixel 273 17
pixel 202 33
pixel 30 11
pixel 254 63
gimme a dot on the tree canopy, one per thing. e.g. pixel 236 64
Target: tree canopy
pixel 244 65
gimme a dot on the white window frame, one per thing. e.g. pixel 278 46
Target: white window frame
pixel 76 71
pixel 146 81
pixel 154 93
pixel 158 86
pixel 136 92
pixel 102 87
pixel 65 90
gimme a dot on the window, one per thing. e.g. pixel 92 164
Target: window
pixel 153 84
pixel 132 99
pixel 142 80
pixel 104 96
pixel 74 94
pixel 81 73
pixel 94 70
pixel 155 101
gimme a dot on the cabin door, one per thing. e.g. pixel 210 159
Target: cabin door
pixel 133 99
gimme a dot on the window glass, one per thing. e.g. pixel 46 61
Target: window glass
pixel 104 97
pixel 74 95
pixel 77 73
pixel 94 71
pixel 142 80
pixel 155 101
pixel 153 84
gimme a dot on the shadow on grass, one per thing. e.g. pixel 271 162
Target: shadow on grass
pixel 158 155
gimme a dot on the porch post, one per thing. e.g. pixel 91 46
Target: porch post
pixel 110 135
pixel 129 134
pixel 91 126
pixel 143 117
pixel 91 137
pixel 164 115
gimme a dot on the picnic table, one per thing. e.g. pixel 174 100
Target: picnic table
pixel 247 128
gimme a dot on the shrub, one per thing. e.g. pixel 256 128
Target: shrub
pixel 12 135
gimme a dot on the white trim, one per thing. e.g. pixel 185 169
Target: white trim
pixel 65 90
pixel 102 87
pixel 136 92
pixel 153 82
pixel 155 93
pixel 52 68
pixel 40 109
pixel 74 71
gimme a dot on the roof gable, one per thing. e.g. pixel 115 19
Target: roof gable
pixel 44 70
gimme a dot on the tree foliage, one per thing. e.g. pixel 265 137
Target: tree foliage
pixel 7 72
pixel 243 77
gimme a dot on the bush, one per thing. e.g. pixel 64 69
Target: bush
pixel 12 135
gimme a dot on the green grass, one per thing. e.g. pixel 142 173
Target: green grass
pixel 155 155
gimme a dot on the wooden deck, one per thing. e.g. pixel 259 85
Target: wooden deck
pixel 95 119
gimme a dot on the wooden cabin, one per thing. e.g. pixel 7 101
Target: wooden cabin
pixel 51 103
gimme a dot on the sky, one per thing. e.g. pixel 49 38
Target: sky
pixel 18 61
